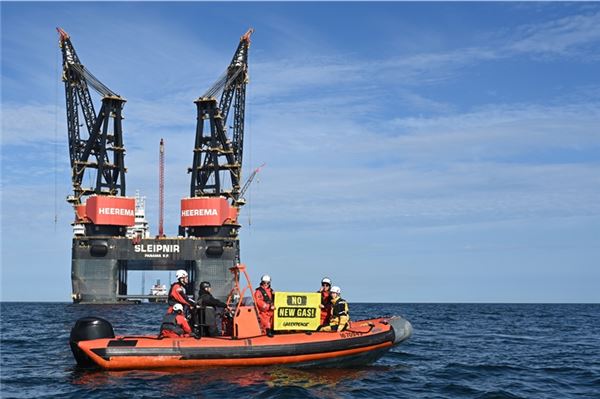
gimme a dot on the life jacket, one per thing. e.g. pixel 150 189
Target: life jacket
pixel 265 295
pixel 169 323
pixel 340 308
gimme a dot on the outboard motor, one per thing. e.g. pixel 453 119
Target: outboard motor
pixel 86 329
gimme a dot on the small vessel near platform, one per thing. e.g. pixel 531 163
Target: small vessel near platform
pixel 241 343
pixel 158 292
pixel 365 342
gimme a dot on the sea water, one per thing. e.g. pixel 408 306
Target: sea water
pixel 456 351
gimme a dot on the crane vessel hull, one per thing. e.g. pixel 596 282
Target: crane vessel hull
pixel 100 264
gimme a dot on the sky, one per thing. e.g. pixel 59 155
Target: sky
pixel 415 152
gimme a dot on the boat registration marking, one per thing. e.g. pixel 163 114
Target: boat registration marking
pixel 351 334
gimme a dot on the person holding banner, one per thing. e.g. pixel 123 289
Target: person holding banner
pixel 325 300
pixel 264 300
pixel 340 314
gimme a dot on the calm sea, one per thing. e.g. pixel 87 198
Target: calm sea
pixel 457 351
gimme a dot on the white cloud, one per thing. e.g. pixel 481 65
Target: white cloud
pixel 498 131
pixel 25 123
pixel 462 193
pixel 563 36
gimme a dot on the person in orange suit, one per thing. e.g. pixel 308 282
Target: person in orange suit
pixel 174 324
pixel 264 298
pixel 325 300
pixel 177 292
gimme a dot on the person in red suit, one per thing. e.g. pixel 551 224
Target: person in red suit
pixel 325 300
pixel 177 292
pixel 264 298
pixel 174 324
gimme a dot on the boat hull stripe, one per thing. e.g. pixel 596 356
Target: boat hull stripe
pixel 244 352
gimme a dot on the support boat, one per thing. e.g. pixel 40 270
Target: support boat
pixel 243 344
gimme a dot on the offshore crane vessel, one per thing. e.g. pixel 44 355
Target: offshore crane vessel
pixel 207 245
pixel 105 244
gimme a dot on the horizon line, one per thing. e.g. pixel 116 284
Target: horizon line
pixel 356 302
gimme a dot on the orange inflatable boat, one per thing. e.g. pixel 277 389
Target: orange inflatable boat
pixel 94 344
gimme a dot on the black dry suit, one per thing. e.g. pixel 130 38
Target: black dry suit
pixel 207 315
pixel 207 299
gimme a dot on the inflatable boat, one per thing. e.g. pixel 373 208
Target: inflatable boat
pixel 94 344
pixel 363 343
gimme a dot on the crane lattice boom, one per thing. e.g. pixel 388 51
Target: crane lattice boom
pixel 102 150
pixel 214 151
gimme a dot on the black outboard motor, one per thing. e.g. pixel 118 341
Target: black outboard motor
pixel 86 329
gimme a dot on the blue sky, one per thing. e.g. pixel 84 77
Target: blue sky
pixel 416 152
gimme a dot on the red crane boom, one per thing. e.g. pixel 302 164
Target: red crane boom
pixel 161 189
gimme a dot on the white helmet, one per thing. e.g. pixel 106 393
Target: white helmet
pixel 178 307
pixel 181 274
pixel 265 279
pixel 336 289
pixel 326 280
